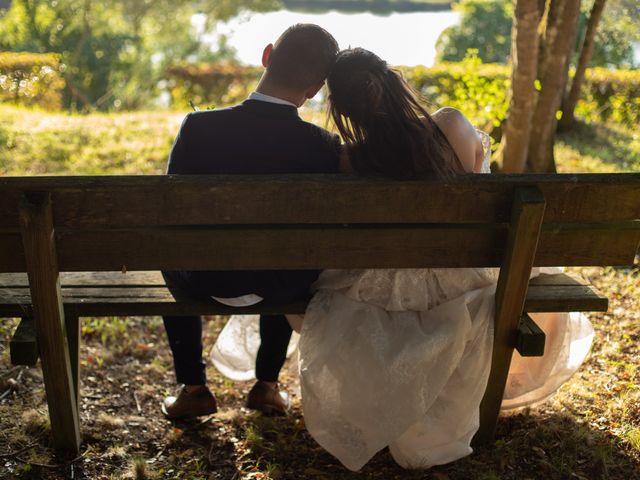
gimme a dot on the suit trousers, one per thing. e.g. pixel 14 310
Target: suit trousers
pixel 275 287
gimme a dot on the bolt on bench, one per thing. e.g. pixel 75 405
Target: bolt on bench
pixel 66 241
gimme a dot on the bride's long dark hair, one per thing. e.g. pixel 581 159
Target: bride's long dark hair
pixel 379 116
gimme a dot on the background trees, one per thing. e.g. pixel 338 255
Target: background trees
pixel 115 52
pixel 542 89
pixel 485 26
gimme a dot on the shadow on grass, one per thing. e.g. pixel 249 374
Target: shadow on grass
pixel 529 445
pixel 613 146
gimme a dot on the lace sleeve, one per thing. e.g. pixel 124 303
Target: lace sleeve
pixel 486 146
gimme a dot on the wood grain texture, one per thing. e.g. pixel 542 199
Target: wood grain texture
pixel 318 199
pixel 36 222
pixel 527 213
pixel 311 247
pixel 144 293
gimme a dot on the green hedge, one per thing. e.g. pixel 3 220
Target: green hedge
pixel 31 79
pixel 479 90
pixel 211 85
pixel 611 95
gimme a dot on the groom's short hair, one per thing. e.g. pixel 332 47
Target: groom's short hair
pixel 302 56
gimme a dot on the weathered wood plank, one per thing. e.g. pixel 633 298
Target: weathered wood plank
pixel 153 278
pixel 346 247
pixel 144 293
pixel 530 338
pixel 36 222
pixel 283 248
pixel 143 279
pixel 612 244
pixel 299 247
pixel 527 213
pixel 318 199
pixel 23 346
pixel 565 298
pixel 544 279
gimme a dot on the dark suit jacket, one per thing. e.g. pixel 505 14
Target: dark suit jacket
pixel 254 137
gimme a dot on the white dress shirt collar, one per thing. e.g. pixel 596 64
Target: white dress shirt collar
pixel 268 98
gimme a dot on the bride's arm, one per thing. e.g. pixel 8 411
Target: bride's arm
pixel 462 137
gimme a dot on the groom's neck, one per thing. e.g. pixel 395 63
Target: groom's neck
pixel 273 90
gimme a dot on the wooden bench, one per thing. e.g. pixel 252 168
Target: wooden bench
pixel 94 228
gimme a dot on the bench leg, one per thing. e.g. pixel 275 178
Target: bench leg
pixel 72 323
pixel 36 222
pixel 524 231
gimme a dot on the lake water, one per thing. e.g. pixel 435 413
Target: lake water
pixel 399 38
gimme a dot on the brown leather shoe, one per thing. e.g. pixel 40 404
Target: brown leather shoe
pixel 268 399
pixel 193 403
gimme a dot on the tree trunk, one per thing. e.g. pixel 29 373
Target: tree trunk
pixel 570 101
pixel 558 40
pixel 524 57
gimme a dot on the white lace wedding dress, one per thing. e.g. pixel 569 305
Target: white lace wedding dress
pixel 400 359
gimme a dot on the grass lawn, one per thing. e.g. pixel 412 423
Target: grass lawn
pixel 590 429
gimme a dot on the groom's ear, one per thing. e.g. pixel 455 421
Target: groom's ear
pixel 266 55
pixel 313 89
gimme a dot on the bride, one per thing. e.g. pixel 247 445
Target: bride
pixel 400 358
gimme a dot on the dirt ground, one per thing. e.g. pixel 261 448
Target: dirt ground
pixel 589 430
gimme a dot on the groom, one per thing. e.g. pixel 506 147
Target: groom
pixel 263 135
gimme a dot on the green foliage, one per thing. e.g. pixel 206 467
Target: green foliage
pixel 485 25
pixel 210 85
pixel 611 95
pixel 478 90
pixel 617 32
pixel 116 52
pixel 31 79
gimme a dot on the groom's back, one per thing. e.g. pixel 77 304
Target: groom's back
pixel 255 137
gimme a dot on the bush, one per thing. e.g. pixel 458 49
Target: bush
pixel 31 79
pixel 211 85
pixel 611 95
pixel 480 91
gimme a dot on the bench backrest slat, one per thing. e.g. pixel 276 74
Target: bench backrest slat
pixel 320 221
pixel 318 199
pixel 329 247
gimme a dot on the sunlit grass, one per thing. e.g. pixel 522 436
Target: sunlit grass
pixel 39 143
pixel 598 148
pixel 34 142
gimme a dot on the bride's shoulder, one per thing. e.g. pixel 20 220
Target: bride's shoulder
pixel 461 135
pixel 447 114
pixel 452 122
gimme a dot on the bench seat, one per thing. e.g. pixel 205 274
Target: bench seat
pixel 53 225
pixel 146 293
